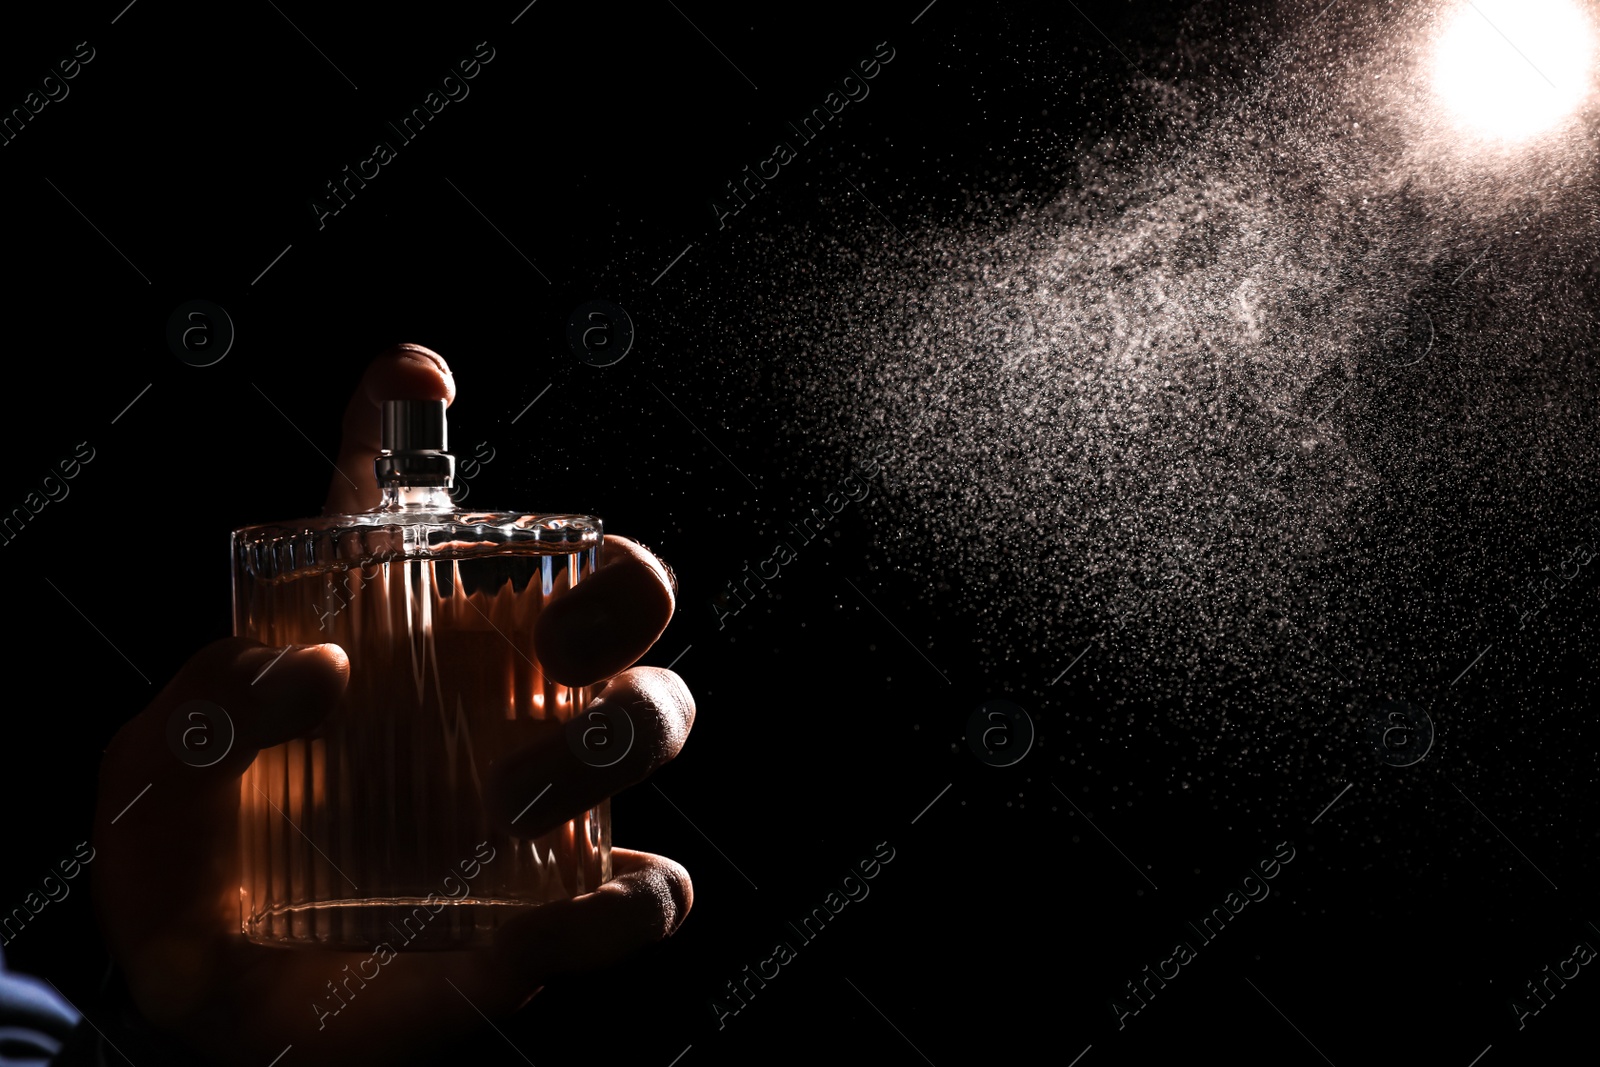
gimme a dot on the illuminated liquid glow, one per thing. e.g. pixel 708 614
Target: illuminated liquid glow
pixel 378 829
pixel 1510 69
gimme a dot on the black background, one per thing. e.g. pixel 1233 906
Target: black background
pixel 595 141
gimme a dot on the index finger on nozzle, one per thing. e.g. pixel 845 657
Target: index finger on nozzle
pixel 404 372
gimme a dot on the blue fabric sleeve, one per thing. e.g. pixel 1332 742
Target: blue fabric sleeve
pixel 35 1020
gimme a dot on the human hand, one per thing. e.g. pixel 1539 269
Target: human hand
pixel 167 871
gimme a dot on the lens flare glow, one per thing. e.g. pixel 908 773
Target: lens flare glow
pixel 1511 69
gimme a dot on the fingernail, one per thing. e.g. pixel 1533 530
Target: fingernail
pixel 426 354
pixel 547 784
pixel 527 789
pixel 604 624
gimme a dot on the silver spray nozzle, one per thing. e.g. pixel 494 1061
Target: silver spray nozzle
pixel 414 439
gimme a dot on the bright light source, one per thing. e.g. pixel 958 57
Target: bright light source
pixel 1510 69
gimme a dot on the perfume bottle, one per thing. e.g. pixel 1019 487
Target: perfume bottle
pixel 375 829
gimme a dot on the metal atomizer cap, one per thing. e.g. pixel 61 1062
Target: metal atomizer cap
pixel 414 439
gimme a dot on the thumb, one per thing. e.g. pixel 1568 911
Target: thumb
pixel 166 823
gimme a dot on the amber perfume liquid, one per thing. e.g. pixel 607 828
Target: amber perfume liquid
pixel 375 830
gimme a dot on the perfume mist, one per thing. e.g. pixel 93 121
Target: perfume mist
pixel 375 828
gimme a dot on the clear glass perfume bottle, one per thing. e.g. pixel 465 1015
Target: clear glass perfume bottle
pixel 375 829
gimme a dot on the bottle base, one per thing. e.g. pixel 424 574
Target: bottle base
pixel 401 923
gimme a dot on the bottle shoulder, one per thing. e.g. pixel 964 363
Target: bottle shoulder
pixel 277 549
pixel 547 525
